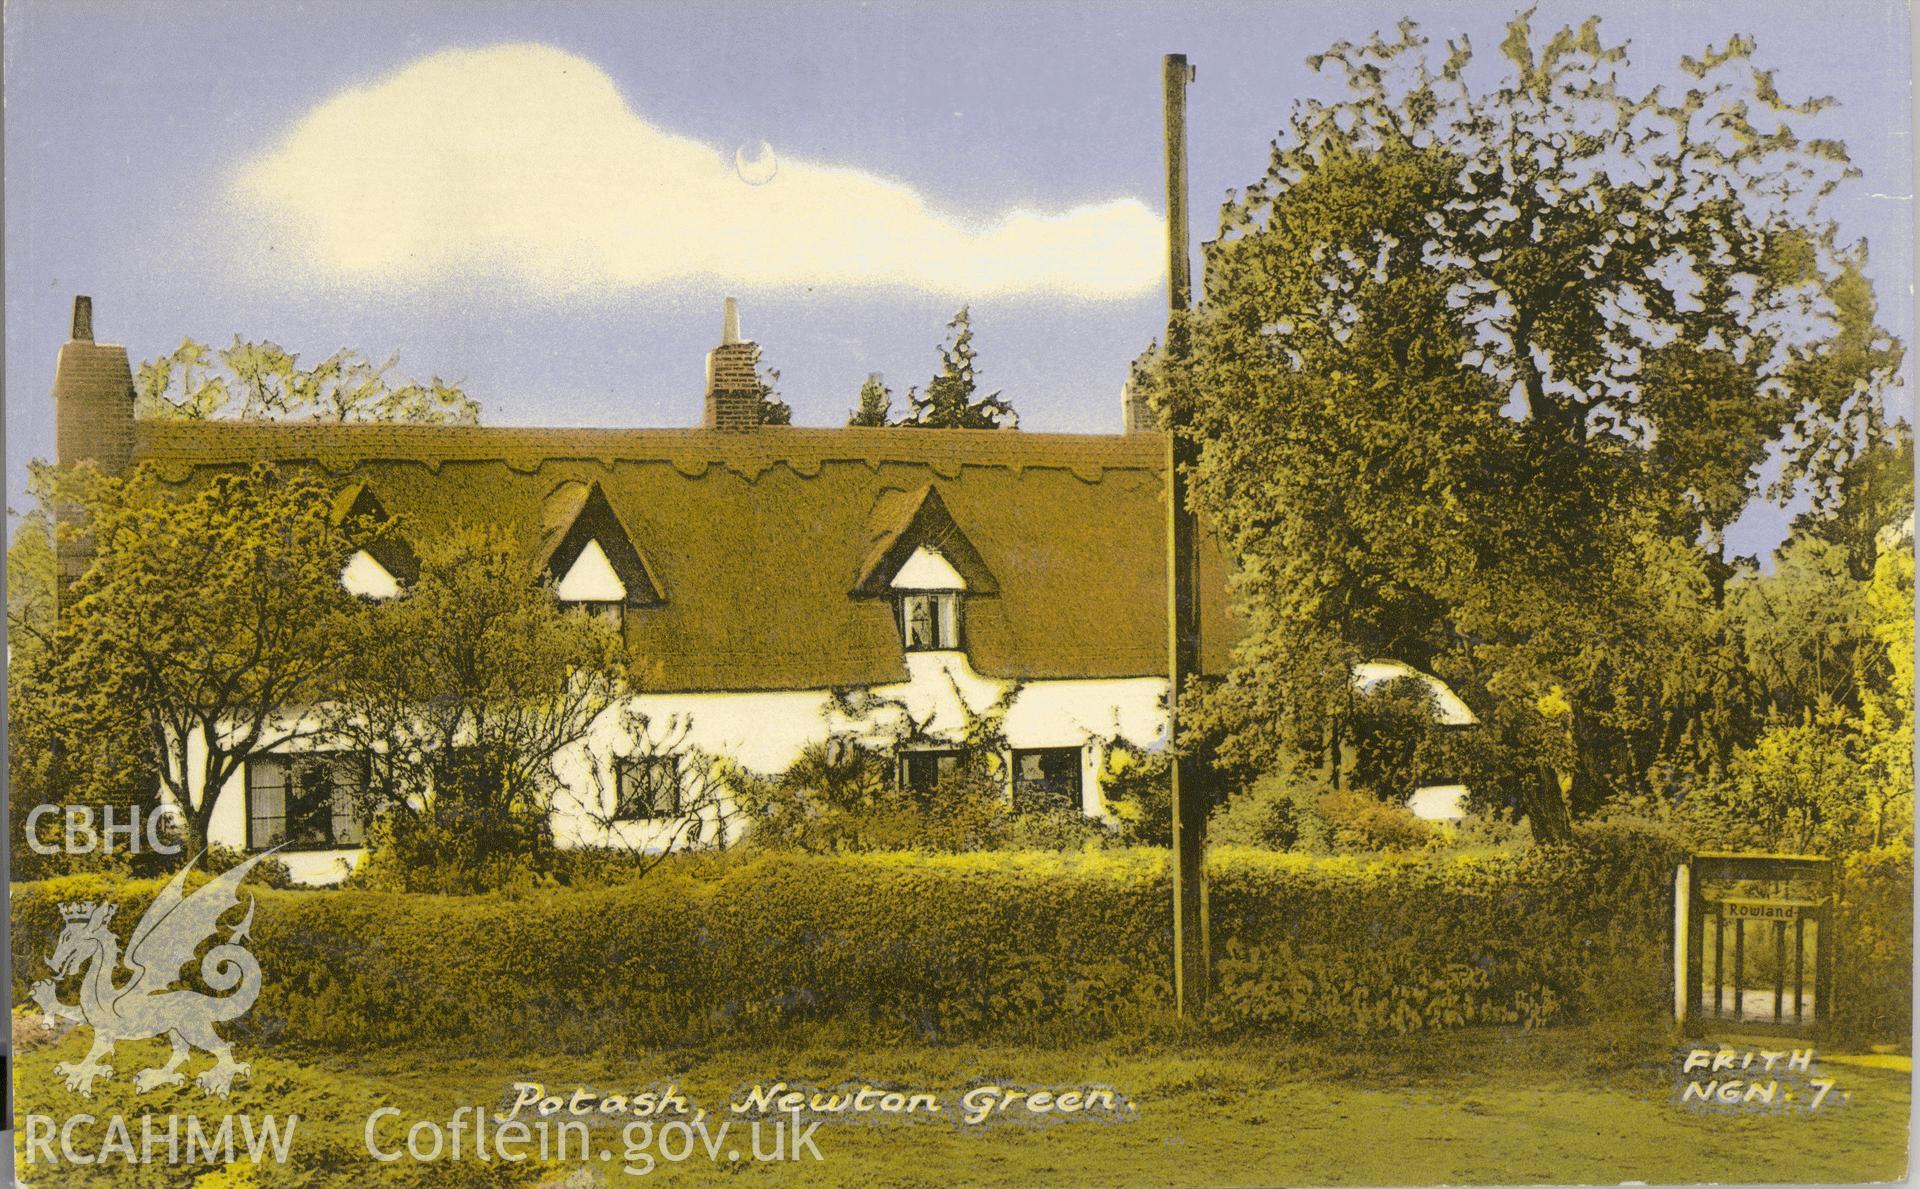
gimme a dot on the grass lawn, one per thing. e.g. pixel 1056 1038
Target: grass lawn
pixel 1484 1106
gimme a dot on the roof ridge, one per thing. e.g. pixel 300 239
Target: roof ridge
pixel 214 441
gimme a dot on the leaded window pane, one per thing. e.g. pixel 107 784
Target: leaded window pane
pixel 266 801
pixel 1047 778
pixel 647 787
pixel 305 801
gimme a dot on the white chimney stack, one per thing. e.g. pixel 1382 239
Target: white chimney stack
pixel 730 322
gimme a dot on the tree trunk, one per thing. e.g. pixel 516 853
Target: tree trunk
pixel 198 821
pixel 212 785
pixel 1546 808
pixel 1333 753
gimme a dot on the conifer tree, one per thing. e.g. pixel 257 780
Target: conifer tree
pixel 949 401
pixel 876 404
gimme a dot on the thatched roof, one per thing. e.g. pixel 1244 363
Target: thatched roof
pixel 908 521
pixel 756 543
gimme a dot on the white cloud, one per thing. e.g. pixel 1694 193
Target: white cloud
pixel 525 161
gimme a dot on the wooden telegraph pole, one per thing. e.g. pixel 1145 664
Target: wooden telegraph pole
pixel 1192 956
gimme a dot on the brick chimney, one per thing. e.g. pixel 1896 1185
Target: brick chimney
pixel 92 417
pixel 1136 415
pixel 92 398
pixel 733 377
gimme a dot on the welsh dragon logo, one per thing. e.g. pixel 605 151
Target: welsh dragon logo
pixel 150 1004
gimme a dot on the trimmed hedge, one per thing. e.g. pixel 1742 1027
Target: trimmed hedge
pixel 1359 947
pixel 1034 948
pixel 1021 945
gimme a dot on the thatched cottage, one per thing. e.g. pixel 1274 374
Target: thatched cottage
pixel 754 571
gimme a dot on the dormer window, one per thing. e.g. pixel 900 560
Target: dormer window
pixel 929 589
pixel 588 556
pixel 923 562
pixel 592 585
pixel 382 564
pixel 366 577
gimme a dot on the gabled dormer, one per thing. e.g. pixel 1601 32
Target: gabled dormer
pixel 923 561
pixel 385 563
pixel 589 555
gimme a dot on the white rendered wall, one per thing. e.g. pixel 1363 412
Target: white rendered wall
pixel 591 579
pixel 1447 706
pixel 765 732
pixel 928 569
pixel 364 576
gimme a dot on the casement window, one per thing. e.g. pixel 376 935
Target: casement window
pixel 922 770
pixel 304 801
pixel 927 592
pixel 646 787
pixel 930 621
pixel 1046 778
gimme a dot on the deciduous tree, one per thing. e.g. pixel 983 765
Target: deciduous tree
pixel 262 380
pixel 1482 377
pixel 207 615
pixel 54 759
pixel 460 694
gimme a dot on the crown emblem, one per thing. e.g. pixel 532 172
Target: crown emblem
pixel 76 911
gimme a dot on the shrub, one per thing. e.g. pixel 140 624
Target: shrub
pixel 1137 787
pixel 1271 812
pixel 1487 830
pixel 30 864
pixel 1802 788
pixel 842 796
pixel 1055 829
pixel 1395 944
pixel 1873 992
pixel 268 873
pixel 1361 823
pixel 1293 807
pixel 424 854
pixel 1018 945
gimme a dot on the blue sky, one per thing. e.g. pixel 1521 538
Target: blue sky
pixel 136 135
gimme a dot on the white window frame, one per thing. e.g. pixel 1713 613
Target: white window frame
pixel 943 615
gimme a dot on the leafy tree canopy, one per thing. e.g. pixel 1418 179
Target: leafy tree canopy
pixel 771 409
pixel 1875 490
pixel 462 693
pixel 1483 375
pixel 55 757
pixel 262 380
pixel 205 614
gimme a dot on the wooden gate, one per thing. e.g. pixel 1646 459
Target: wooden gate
pixel 1754 941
